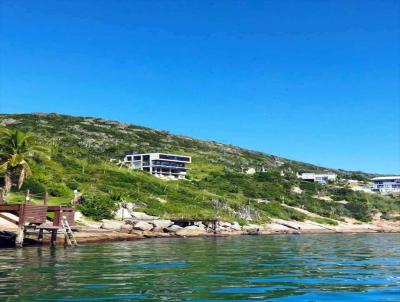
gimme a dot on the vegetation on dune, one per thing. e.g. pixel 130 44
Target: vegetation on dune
pixel 80 150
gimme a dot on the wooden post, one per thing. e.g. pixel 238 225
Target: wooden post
pixel 1 197
pixel 27 196
pixel 21 215
pixel 19 240
pixel 46 198
pixel 53 240
pixel 57 217
pixel 40 236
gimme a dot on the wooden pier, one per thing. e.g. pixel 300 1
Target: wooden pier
pixel 32 219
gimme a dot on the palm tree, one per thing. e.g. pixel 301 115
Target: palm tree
pixel 17 149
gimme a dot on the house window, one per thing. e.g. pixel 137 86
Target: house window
pixel 173 157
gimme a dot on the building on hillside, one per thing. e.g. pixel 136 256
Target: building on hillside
pixel 386 184
pixel 320 178
pixel 163 165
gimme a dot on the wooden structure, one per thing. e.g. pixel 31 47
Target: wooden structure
pixel 33 218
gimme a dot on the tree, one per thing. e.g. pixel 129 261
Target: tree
pixel 17 149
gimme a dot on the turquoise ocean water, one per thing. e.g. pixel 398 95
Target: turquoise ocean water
pixel 246 268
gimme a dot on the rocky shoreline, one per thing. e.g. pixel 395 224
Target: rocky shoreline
pixel 143 228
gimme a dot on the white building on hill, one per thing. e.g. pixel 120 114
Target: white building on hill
pixel 386 184
pixel 169 166
pixel 320 178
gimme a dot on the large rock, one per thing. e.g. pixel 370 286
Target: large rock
pixel 236 226
pixel 78 215
pixel 173 228
pixel 224 224
pixel 126 211
pixel 111 225
pixel 122 213
pixel 160 225
pixel 142 216
pixel 200 225
pixel 191 231
pixel 143 226
pixel 127 228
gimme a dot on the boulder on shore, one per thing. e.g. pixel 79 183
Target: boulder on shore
pixel 224 224
pixel 111 225
pixel 236 226
pixel 160 225
pixel 143 226
pixel 191 231
pixel 78 216
pixel 173 228
pixel 142 216
pixel 122 214
pixel 126 228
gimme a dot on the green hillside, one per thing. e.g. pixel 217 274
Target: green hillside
pixel 81 149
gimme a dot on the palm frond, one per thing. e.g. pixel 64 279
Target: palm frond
pixel 16 150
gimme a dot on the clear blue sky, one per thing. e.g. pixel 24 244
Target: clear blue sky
pixel 316 81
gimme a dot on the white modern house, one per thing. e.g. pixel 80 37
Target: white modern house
pixel 386 184
pixel 163 165
pixel 320 178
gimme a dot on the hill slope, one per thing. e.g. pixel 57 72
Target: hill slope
pixel 80 159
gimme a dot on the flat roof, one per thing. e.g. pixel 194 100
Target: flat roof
pixel 386 178
pixel 180 155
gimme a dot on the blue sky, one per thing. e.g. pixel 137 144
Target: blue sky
pixel 316 81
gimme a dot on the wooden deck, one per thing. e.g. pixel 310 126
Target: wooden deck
pixel 37 214
pixel 34 217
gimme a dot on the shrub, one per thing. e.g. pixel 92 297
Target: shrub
pixel 72 184
pixel 360 210
pixel 97 206
pixel 275 209
pixel 271 176
pixel 309 186
pixel 59 189
pixel 34 186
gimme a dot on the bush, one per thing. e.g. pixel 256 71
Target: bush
pixel 275 209
pixel 59 189
pixel 271 176
pixel 72 184
pixel 34 186
pixel 309 186
pixel 97 206
pixel 360 210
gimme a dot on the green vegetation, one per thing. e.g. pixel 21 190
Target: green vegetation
pixel 16 150
pixel 80 150
pixel 97 206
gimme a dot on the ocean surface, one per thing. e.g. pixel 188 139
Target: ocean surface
pixel 245 268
